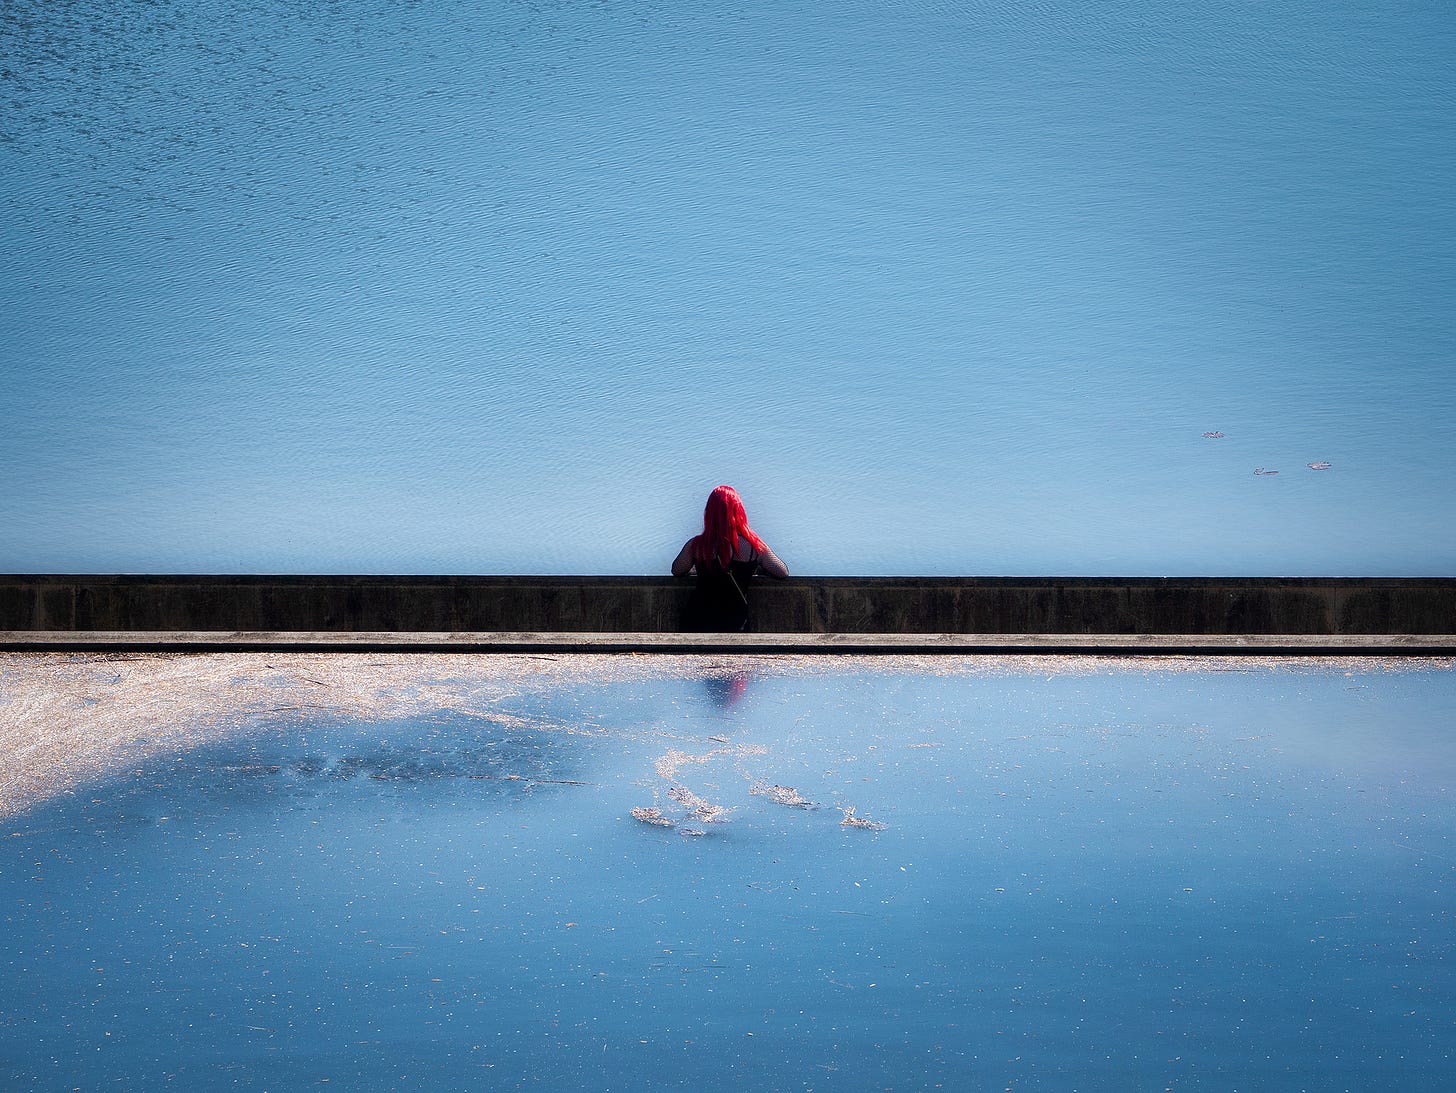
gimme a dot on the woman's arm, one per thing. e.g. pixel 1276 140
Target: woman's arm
pixel 682 565
pixel 768 563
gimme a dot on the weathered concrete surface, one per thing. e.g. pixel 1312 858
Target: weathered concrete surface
pixel 1302 645
pixel 403 605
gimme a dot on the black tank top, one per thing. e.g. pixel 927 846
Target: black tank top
pixel 719 603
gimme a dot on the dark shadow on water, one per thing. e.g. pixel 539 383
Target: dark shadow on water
pixel 435 760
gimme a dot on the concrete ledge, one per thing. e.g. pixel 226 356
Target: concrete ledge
pixel 1106 644
pixel 925 606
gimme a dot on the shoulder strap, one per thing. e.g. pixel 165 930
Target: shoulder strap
pixel 736 587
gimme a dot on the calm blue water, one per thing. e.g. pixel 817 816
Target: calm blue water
pixel 943 288
pixel 1131 881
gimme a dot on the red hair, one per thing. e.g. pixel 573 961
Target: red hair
pixel 724 521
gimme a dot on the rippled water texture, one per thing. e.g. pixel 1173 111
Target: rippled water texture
pixel 399 872
pixel 942 287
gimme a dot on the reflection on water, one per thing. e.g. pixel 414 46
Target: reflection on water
pixel 726 691
pixel 942 288
pixel 1117 877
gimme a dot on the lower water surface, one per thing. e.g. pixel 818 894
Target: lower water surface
pixel 1107 879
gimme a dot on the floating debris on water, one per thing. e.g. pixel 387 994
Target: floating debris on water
pixel 1214 435
pixel 1318 465
pixel 851 820
pixel 684 796
pixel 652 816
pixel 1261 470
pixel 782 795
pixel 705 811
pixel 667 765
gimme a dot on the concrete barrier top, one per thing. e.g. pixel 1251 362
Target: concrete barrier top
pixel 960 610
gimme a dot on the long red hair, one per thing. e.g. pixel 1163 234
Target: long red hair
pixel 723 522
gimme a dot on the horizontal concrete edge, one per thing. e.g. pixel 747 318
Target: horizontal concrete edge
pixel 918 607
pixel 373 641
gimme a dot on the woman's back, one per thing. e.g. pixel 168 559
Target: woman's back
pixel 719 602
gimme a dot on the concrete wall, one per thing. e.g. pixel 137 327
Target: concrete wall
pixel 808 605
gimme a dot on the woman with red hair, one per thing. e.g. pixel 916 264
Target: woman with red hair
pixel 725 557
